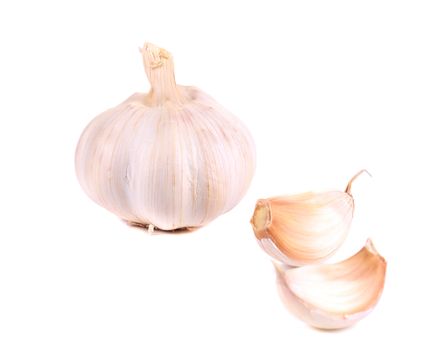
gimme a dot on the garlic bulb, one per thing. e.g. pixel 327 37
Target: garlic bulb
pixel 337 295
pixel 304 228
pixel 172 158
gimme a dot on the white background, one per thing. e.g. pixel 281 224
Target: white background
pixel 326 88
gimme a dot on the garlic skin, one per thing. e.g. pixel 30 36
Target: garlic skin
pixel 305 228
pixel 172 158
pixel 337 295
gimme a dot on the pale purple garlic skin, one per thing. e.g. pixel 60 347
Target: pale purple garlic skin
pixel 337 295
pixel 172 158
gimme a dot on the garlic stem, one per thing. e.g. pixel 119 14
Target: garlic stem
pixel 159 67
pixel 349 185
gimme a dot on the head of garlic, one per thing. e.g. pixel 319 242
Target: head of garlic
pixel 305 228
pixel 337 295
pixel 171 158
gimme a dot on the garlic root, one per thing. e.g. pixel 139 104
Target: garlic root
pixel 337 295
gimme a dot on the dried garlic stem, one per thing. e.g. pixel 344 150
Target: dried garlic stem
pixel 159 67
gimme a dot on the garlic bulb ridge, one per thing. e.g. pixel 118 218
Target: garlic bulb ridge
pixel 172 158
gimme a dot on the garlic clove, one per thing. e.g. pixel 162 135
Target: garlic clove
pixel 337 295
pixel 305 228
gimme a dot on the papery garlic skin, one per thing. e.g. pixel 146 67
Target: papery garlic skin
pixel 172 158
pixel 337 295
pixel 305 228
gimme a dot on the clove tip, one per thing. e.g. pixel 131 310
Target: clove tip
pixel 370 247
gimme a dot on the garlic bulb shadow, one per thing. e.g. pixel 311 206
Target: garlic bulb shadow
pixel 334 296
pixel 172 158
